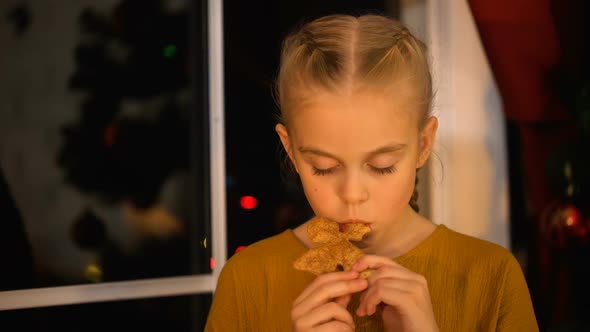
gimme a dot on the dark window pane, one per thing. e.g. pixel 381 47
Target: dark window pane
pixel 103 141
pixel 170 314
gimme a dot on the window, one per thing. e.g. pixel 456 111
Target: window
pixel 105 145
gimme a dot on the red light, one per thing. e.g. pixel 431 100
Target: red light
pixel 240 248
pixel 248 202
pixel 212 263
pixel 110 134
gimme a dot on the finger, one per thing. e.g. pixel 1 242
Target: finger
pixel 343 300
pixel 324 279
pixel 393 272
pixel 324 314
pixel 326 292
pixel 385 294
pixel 360 310
pixel 334 326
pixel 396 293
pixel 372 262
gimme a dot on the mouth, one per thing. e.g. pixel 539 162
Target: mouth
pixel 343 225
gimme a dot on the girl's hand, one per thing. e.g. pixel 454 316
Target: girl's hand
pixel 401 295
pixel 322 305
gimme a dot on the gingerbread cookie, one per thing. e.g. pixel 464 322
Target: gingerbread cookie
pixel 336 253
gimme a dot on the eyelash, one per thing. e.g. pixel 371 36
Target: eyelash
pixel 380 171
pixel 321 172
pixel 383 171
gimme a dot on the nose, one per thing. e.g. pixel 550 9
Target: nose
pixel 353 189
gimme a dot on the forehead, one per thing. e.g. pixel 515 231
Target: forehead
pixel 360 121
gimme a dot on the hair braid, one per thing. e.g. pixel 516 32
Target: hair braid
pixel 414 198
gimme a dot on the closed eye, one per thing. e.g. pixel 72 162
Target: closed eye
pixel 383 170
pixel 378 170
pixel 325 171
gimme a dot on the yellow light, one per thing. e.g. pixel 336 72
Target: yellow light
pixel 93 272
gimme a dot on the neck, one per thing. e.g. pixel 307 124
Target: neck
pixel 400 237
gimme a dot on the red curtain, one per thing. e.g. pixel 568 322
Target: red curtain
pixel 527 42
pixel 523 47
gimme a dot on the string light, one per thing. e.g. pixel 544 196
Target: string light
pixel 93 272
pixel 212 263
pixel 248 202
pixel 170 51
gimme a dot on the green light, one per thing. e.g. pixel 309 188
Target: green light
pixel 169 51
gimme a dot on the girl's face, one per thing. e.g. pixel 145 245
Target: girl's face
pixel 357 156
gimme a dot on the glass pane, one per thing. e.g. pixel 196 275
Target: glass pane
pixel 103 141
pixel 170 314
pixel 253 31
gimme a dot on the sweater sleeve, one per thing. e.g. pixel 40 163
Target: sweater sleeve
pixel 516 309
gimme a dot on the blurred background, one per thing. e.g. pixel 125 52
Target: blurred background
pixel 105 147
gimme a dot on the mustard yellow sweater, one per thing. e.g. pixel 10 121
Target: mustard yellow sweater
pixel 474 285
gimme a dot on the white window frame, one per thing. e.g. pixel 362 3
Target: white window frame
pixel 183 285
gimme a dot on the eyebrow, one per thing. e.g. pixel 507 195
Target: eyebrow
pixel 384 149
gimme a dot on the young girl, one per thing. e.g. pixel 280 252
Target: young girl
pixel 355 96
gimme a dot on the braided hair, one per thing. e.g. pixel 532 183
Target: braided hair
pixel 414 198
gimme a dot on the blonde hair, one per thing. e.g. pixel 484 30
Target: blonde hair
pixel 341 53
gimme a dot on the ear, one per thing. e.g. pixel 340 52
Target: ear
pixel 286 141
pixel 427 137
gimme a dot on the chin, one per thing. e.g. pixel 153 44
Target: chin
pixel 364 243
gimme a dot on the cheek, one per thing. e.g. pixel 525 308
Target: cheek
pixel 314 190
pixel 317 192
pixel 397 193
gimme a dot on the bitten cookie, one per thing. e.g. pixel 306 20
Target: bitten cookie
pixel 336 253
